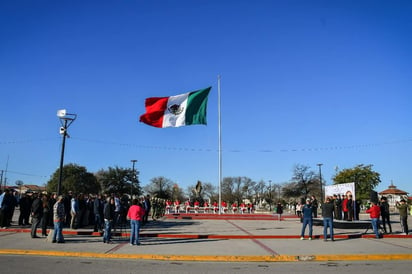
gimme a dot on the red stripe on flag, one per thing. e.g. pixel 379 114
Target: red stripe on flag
pixel 155 108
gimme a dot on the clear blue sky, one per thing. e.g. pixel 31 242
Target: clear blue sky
pixel 303 82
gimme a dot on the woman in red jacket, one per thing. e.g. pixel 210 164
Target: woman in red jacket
pixel 135 215
pixel 375 213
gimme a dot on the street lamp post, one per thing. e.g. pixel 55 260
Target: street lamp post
pixel 320 182
pixel 270 195
pixel 66 119
pixel 134 177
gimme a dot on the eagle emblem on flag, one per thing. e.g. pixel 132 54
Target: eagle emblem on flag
pixel 175 109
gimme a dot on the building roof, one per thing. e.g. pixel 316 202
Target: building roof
pixel 393 191
pixel 32 188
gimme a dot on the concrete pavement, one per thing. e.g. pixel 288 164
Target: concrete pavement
pixel 188 238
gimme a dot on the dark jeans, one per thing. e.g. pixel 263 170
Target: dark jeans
pixel 24 218
pixel 97 222
pixel 306 222
pixel 404 224
pixel 44 222
pixel 315 212
pixel 327 222
pixel 386 220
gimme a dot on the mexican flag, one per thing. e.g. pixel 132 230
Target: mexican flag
pixel 176 111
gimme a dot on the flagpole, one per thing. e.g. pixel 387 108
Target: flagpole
pixel 220 144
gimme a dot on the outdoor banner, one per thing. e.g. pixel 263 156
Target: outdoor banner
pixel 342 189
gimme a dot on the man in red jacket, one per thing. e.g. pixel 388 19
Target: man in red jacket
pixel 375 212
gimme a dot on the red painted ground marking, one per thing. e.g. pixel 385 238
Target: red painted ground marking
pixel 262 245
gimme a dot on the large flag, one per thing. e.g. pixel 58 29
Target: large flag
pixel 176 111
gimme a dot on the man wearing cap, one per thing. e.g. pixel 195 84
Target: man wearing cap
pixel 385 214
pixel 403 215
pixel 36 214
pixel 307 213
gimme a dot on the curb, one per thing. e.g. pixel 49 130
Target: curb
pixel 207 236
pixel 215 258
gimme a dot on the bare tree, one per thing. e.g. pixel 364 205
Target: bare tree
pixel 304 182
pixel 160 187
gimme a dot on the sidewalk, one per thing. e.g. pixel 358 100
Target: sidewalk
pixel 189 239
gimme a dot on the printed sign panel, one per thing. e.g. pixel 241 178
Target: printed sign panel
pixel 342 189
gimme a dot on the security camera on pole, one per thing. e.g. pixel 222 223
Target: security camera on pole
pixel 66 119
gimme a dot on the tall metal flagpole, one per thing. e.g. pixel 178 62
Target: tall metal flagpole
pixel 220 144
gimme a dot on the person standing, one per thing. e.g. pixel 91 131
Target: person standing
pixel 315 205
pixel 338 206
pixel 307 214
pixel 374 213
pixel 59 214
pixel 74 212
pixel 36 214
pixel 147 206
pixel 385 214
pixel 98 213
pixel 45 216
pixel 299 207
pixel 328 209
pixel 108 213
pixel 2 213
pixel 350 207
pixel 403 215
pixel 279 210
pixel 6 206
pixel 117 211
pixel 135 214
pixel 24 205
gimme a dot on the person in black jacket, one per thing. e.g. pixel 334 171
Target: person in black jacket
pixel 385 214
pixel 279 210
pixel 108 215
pixel 328 209
pixel 98 213
pixel 24 205
pixel 314 203
pixel 36 214
pixel 47 211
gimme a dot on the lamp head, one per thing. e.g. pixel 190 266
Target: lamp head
pixel 61 113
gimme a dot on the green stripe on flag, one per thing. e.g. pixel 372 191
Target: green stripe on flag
pixel 197 107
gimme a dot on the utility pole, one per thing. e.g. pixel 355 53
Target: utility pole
pixel 134 177
pixel 66 119
pixel 320 182
pixel 270 195
pixel 1 180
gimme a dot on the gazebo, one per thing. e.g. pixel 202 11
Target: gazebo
pixel 394 195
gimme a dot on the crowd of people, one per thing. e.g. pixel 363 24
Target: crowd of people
pixel 345 208
pixel 336 208
pixel 102 212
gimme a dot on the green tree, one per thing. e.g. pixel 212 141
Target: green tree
pixel 74 178
pixel 119 180
pixel 363 176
